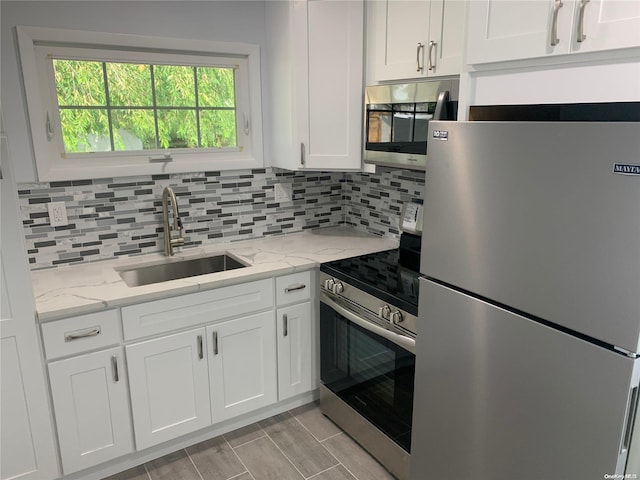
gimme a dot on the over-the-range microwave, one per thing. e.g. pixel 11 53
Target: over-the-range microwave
pixel 397 120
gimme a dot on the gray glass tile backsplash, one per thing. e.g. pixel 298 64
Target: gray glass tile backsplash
pixel 114 217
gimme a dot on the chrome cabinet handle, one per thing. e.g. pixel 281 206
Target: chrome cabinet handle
pixel 432 63
pixel 418 49
pixel 285 325
pixel 301 153
pixel 580 36
pixel 557 5
pixel 293 289
pixel 215 343
pixel 200 350
pixel 114 368
pixel 91 332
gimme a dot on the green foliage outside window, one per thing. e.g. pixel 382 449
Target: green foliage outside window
pixel 108 106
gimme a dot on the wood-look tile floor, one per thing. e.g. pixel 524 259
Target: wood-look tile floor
pixel 296 445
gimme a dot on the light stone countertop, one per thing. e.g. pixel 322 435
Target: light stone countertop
pixel 85 288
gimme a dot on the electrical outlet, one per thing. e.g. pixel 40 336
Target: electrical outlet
pixel 57 214
pixel 283 192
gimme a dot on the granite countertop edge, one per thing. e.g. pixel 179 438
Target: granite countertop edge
pixel 93 287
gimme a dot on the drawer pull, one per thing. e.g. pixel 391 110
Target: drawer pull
pixel 91 332
pixel 294 288
pixel 114 368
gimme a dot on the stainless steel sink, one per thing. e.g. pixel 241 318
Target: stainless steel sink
pixel 172 270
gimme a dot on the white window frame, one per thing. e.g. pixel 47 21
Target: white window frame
pixel 35 43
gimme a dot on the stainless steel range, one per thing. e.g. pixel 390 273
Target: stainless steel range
pixel 368 326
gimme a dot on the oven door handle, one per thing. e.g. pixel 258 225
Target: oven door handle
pixel 402 341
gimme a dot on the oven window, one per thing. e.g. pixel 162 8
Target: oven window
pixel 373 375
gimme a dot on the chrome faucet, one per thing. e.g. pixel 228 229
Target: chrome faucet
pixel 169 242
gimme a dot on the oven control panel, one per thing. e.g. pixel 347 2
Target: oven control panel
pixel 384 311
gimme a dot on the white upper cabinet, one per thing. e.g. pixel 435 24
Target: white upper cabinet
pixel 502 30
pixel 416 38
pixel 607 25
pixel 315 71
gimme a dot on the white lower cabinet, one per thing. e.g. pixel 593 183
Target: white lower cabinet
pixel 230 356
pixel 169 387
pixel 242 365
pixel 294 350
pixel 91 404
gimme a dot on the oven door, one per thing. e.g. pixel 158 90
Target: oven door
pixel 368 367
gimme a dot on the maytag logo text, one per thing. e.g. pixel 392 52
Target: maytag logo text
pixel 626 169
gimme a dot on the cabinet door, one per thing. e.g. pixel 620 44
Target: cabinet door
pixel 294 350
pixel 446 30
pixel 607 24
pixel 27 448
pixel 401 27
pixel 333 86
pixel 507 30
pixel 169 387
pixel 91 404
pixel 242 365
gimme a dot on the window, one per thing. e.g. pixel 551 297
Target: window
pixel 104 105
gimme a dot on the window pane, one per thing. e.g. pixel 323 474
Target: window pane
pixel 129 85
pixel 215 87
pixel 85 130
pixel 177 129
pixel 175 86
pixel 133 129
pixel 218 128
pixel 79 83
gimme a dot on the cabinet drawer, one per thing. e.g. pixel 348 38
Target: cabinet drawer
pixel 170 314
pixel 293 288
pixel 80 334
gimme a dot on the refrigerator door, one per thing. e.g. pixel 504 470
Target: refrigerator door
pixel 532 215
pixel 501 397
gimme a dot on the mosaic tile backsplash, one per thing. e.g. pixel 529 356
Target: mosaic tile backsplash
pixel 122 217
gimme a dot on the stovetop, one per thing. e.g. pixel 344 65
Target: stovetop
pixel 381 275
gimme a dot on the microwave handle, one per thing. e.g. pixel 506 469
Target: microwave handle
pixel 441 106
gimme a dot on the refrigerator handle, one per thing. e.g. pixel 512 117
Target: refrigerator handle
pixel 441 106
pixel 631 415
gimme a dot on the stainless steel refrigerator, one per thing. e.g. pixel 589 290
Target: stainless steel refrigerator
pixel 529 317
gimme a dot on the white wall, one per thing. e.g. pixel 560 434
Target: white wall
pixel 232 21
